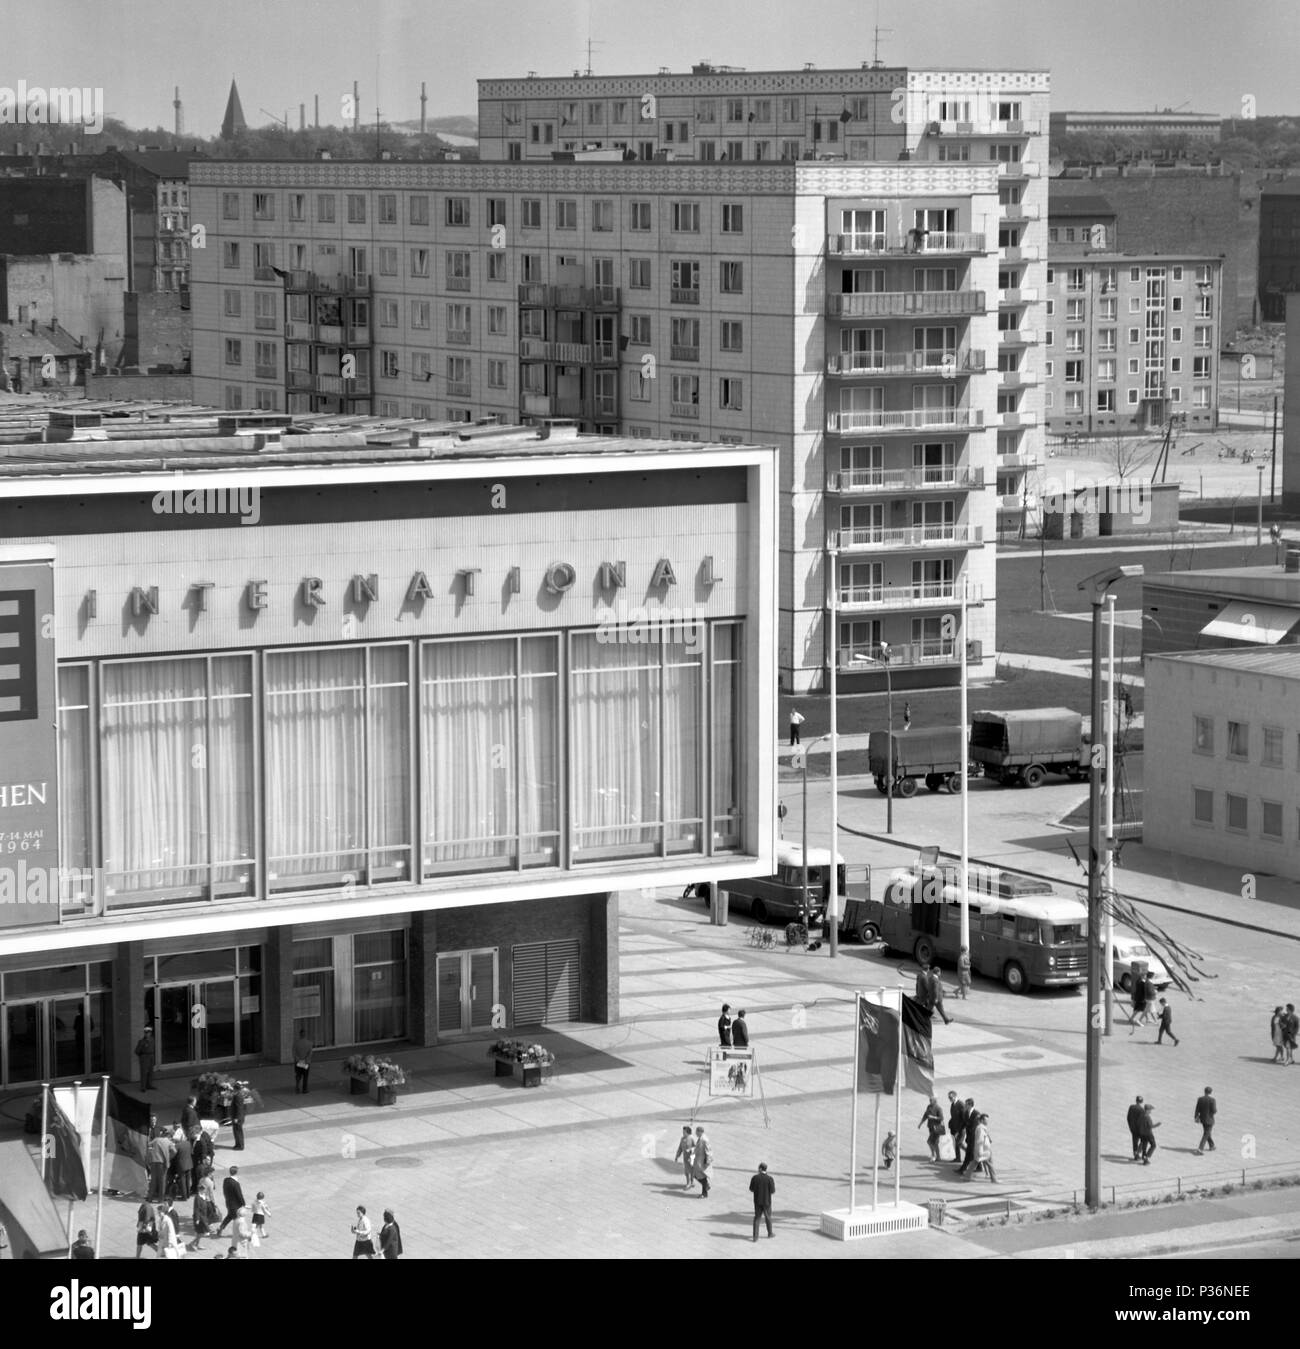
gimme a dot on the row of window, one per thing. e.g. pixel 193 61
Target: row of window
pixel 1106 369
pixel 1237 812
pixel 1108 277
pixel 1236 744
pixel 542 135
pixel 1073 401
pixel 624 111
pixel 1202 336
pixel 685 390
pixel 1076 311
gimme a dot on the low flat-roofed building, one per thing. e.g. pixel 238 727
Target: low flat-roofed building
pixel 1220 607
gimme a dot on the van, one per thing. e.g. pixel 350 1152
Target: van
pixel 1127 948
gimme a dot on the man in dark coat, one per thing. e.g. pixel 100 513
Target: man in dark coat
pixel 740 1031
pixel 390 1237
pixel 161 1152
pixel 144 1051
pixel 1206 1109
pixel 201 1147
pixel 1147 1132
pixel 724 1025
pixel 972 1123
pixel 184 1166
pixel 237 1112
pixel 762 1187
pixel 190 1116
pixel 956 1123
pixel 233 1193
pixel 1166 1024
pixel 1135 1127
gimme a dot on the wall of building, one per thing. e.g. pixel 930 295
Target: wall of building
pixel 131 387
pixel 83 294
pixel 39 215
pixel 157 329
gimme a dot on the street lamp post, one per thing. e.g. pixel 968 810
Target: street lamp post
pixel 803 756
pixel 1096 586
pixel 1259 507
pixel 889 738
pixel 833 890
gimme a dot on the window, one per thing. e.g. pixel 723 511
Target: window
pixel 1105 400
pixel 389 316
pixel 387 260
pixel 1237 813
pixel 638 387
pixel 234 351
pixel 1204 307
pixel 1074 339
pixel 762 110
pixel 1176 304
pixel 1272 753
pixel 1201 397
pixel 530 213
pixel 420 310
pixel 1106 370
pixel 458 324
pixel 733 218
pixel 791 110
pixel 530 267
pixel 638 273
pixel 230 206
pixel 566 214
pixel 1106 339
pixel 1270 825
pixel 639 333
pixel 1176 365
pixel 386 208
pixel 1074 400
pixel 419 262
pixel 1175 394
pixel 1134 335
pixel 686 395
pixel 1074 311
pixel 458 377
pixel 1074 372
pixel 458 277
pixel 1175 334
pixel 731 335
pixel 265 361
pixel 685 282
pixel 1202 335
pixel 497 321
pixel 639 216
pixel 496 267
pixel 1074 278
pixel 619 112
pixel 419 209
pixel 297 206
pixel 325 209
pixel 1238 740
pixel 1051 308
pixel 731 394
pixel 1132 398
pixel 735 109
pixel 356 208
pixel 1049 368
pixel 686 217
pixel 685 339
pixel 230 254
pixel 1200 367
pixel 602 216
pixel 1108 309
pixel 959 153
pixel 232 298
pixel 1134 304
pixel 731 278
pixel 456 211
pixel 541 133
pixel 1202 806
pixel 496 374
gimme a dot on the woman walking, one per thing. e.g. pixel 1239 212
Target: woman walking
pixel 1276 1034
pixel 363 1234
pixel 934 1118
pixel 686 1155
pixel 984 1148
pixel 205 1205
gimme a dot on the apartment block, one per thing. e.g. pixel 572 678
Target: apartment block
pixel 1131 341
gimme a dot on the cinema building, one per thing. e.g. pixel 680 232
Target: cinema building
pixel 364 739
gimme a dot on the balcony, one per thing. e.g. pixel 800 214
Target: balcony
pixel 573 406
pixel 880 364
pixel 1017 379
pixel 1009 299
pixel 1019 210
pixel 560 353
pixel 606 353
pixel 917 419
pixel 458 283
pixel 931 595
pixel 343 388
pixel 265 372
pixel 913 537
pixel 685 295
pixel 877 481
pixel 458 337
pixel 691 411
pixel 357 283
pixel 987 127
pixel 1016 421
pixel 329 334
pixel 299 379
pixel 1017 337
pixel 904 241
pixel 937 651
pixel 680 352
pixel 358 334
pixel 297 331
pixel 1016 463
pixel 534 295
pixel 1021 169
pixel 905 303
pixel 1021 253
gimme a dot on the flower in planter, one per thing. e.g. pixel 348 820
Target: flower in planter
pixel 380 1071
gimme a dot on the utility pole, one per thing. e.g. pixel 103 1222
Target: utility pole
pixel 1272 472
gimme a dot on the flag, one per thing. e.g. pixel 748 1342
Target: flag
pixel 877 1048
pixel 64 1173
pixel 918 1057
pixel 128 1136
pixel 846 116
pixel 80 1105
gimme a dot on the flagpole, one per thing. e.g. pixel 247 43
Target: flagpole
pixel 857 1069
pixel 898 1107
pixel 45 1123
pixel 875 1158
pixel 103 1148
pixel 76 1124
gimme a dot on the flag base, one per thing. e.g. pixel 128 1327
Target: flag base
pixel 885 1221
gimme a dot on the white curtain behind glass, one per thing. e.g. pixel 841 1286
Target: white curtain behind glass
pixel 683 745
pixel 230 762
pixel 539 764
pixel 390 760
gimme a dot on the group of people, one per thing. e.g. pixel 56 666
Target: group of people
pixel 733 1031
pixel 695 1153
pixel 1142 1126
pixel 1148 1009
pixel 970 1135
pixel 929 990
pixel 366 1245
pixel 1282 1032
pixel 158 1217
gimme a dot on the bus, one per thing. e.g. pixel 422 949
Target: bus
pixel 1021 931
pixel 781 898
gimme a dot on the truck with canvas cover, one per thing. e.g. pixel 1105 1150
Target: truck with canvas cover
pixel 933 754
pixel 1024 746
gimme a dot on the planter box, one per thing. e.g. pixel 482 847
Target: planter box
pixel 385 1095
pixel 529 1074
pixel 358 1086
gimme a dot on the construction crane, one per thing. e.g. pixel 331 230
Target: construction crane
pixel 279 121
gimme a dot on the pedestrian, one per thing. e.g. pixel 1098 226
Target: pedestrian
pixel 237 1111
pixel 1206 1109
pixel 984 1149
pixel 363 1239
pixel 1290 1029
pixel 390 1237
pixel 302 1052
pixel 703 1161
pixel 1276 1034
pixel 261 1212
pixel 933 1117
pixel 963 973
pixel 82 1248
pixel 740 1031
pixel 205 1205
pixel 190 1116
pixel 686 1155
pixel 796 720
pixel 724 1025
pixel 184 1151
pixel 936 994
pixel 1139 999
pixel 146 1228
pixel 202 1148
pixel 1146 1131
pixel 956 1124
pixel 241 1236
pixel 907 716
pixel 161 1151
pixel 889 1150
pixel 1149 996
pixel 233 1194
pixel 1134 1118
pixel 925 989
pixel 169 1238
pixel 762 1187
pixel 144 1051
pixel 972 1123
pixel 1166 1024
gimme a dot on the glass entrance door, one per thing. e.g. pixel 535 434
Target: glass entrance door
pixel 196 1022
pixel 467 991
pixel 45 1040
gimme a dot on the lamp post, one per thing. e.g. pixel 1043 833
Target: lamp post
pixel 1108 937
pixel 883 659
pixel 1259 507
pixel 965 786
pixel 1096 585
pixel 803 755
pixel 833 890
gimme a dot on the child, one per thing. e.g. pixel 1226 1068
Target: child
pixel 261 1211
pixel 890 1150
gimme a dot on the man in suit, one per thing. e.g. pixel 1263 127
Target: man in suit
pixel 740 1031
pixel 924 989
pixel 233 1193
pixel 724 1025
pixel 1206 1109
pixel 184 1166
pixel 762 1187
pixel 144 1051
pixel 1166 1024
pixel 161 1152
pixel 1147 1132
pixel 956 1123
pixel 237 1111
pixel 1135 1127
pixel 190 1116
pixel 971 1124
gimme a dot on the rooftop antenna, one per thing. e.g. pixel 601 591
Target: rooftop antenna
pixel 876 62
pixel 590 44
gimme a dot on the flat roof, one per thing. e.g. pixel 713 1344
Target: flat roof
pixel 1282 661
pixel 1076 203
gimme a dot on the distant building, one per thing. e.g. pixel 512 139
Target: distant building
pixel 1279 247
pixel 1079 224
pixel 1173 126
pixel 34 357
pixel 1222 758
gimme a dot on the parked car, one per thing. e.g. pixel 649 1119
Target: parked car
pixel 1129 948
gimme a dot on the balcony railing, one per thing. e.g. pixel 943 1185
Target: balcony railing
pixel 1020 169
pixel 1016 462
pixel 1017 296
pixel 861 599
pixel 688 410
pixel 875 480
pixel 936 651
pixel 914 536
pixel 682 352
pixel 904 241
pixel 534 294
pixel 871 364
pixel 1020 210
pixel 458 388
pixel 605 352
pixel 1014 421
pixel 988 127
pixel 299 379
pixel 267 322
pixel 329 334
pixel 265 372
pixel 904 303
pixel 1021 253
pixel 1017 337
pixel 685 295
pixel 358 335
pixel 356 283
pixel 1017 379
pixel 297 331
pixel 918 419
pixel 458 337
pixel 346 388
pixel 458 283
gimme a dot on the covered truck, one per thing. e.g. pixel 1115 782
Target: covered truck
pixel 1024 746
pixel 934 753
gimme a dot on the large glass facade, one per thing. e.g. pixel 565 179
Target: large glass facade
pixel 52 1022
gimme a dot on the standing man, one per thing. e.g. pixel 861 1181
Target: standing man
pixel 724 1025
pixel 237 1112
pixel 82 1248
pixel 390 1237
pixel 161 1151
pixel 963 972
pixel 703 1161
pixel 762 1187
pixel 740 1031
pixel 190 1116
pixel 1290 1028
pixel 1166 1023
pixel 233 1193
pixel 686 1155
pixel 936 994
pixel 956 1124
pixel 302 1052
pixel 1147 1132
pixel 971 1125
pixel 1135 1128
pixel 796 720
pixel 184 1151
pixel 144 1051
pixel 925 989
pixel 1206 1109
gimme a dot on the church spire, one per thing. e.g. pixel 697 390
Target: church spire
pixel 233 124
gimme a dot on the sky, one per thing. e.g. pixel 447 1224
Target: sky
pixel 1132 55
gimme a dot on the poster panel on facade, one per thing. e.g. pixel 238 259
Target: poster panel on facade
pixel 29 746
pixel 731 1072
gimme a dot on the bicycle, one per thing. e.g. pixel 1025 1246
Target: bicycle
pixel 763 938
